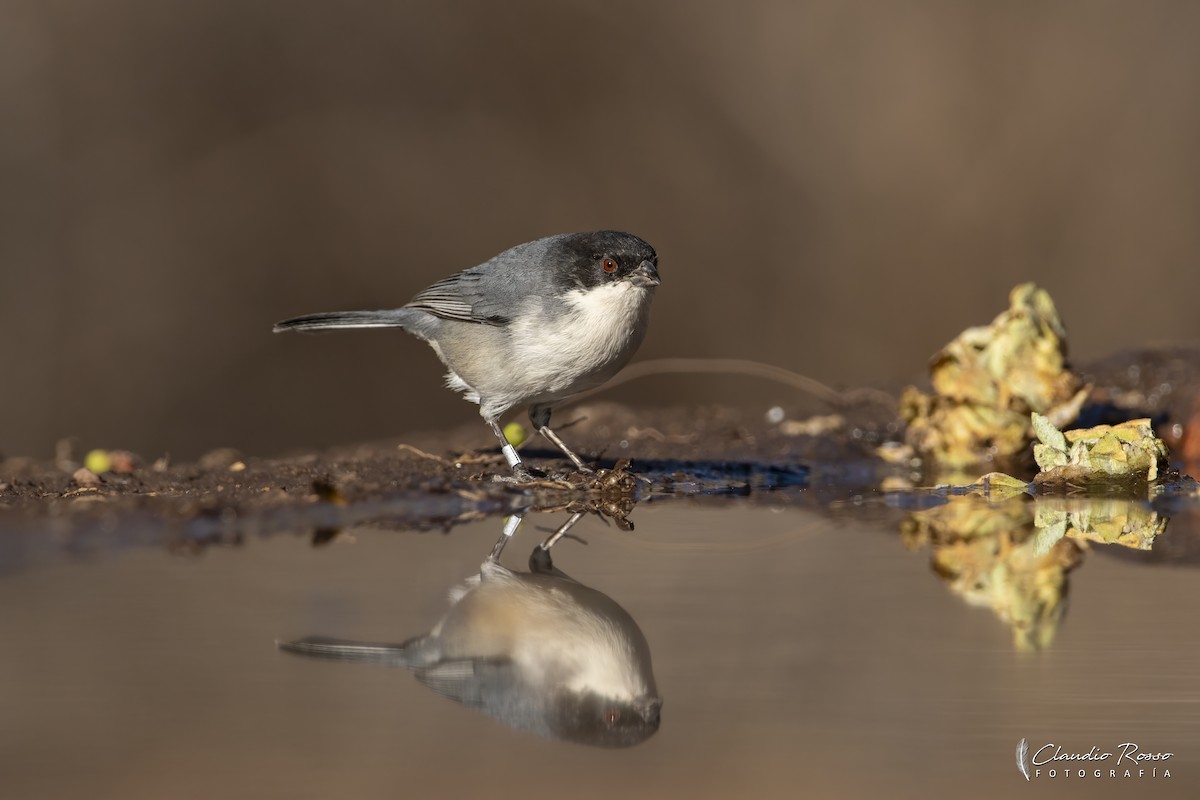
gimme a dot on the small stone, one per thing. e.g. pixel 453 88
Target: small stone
pixel 123 461
pixel 220 458
pixel 85 477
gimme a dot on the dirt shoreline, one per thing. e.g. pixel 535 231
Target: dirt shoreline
pixel 681 445
pixel 692 445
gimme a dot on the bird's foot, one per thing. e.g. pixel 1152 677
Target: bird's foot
pixel 522 474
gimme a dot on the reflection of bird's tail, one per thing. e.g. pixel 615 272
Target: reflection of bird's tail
pixel 395 655
pixel 391 318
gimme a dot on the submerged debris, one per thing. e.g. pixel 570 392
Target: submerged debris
pixel 1001 486
pixel 616 482
pixel 988 380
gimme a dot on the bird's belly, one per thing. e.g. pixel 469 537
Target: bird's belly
pixel 546 357
pixel 572 356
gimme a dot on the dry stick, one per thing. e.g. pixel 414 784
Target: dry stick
pixel 419 452
pixel 661 366
pixel 465 458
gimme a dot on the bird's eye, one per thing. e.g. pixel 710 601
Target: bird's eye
pixel 611 716
pixel 608 265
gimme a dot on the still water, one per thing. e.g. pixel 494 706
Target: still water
pixel 796 651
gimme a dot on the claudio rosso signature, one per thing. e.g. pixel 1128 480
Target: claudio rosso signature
pixel 1127 760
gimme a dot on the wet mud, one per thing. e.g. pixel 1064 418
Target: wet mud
pixel 433 480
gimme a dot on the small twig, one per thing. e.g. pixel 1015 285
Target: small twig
pixel 419 452
pixel 658 436
pixel 464 458
pixel 741 366
pixel 476 458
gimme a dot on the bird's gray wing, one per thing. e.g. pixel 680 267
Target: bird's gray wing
pixel 495 687
pixel 474 682
pixel 492 292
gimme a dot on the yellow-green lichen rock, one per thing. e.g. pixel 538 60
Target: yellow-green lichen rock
pixel 988 380
pixel 1105 454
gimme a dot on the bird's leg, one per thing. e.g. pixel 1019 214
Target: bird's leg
pixel 511 523
pixel 539 559
pixel 553 437
pixel 540 417
pixel 562 530
pixel 510 453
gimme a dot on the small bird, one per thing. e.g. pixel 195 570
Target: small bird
pixel 536 650
pixel 533 326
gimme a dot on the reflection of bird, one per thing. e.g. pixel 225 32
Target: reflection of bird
pixel 536 650
pixel 533 326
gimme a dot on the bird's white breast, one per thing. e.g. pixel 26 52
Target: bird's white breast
pixel 584 344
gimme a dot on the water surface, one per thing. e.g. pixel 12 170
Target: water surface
pixel 797 652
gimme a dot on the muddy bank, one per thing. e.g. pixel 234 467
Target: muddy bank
pixel 696 450
pixel 684 450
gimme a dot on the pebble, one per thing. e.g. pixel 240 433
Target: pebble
pixel 85 477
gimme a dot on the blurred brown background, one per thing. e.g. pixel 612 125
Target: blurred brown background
pixel 833 187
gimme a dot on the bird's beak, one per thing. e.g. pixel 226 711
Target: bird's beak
pixel 645 276
pixel 651 709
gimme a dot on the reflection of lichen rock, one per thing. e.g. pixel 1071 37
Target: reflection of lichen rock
pixel 1100 520
pixel 989 555
pixel 1005 574
pixel 988 380
pixel 1105 454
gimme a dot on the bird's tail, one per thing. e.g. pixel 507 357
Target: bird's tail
pixel 395 655
pixel 391 318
